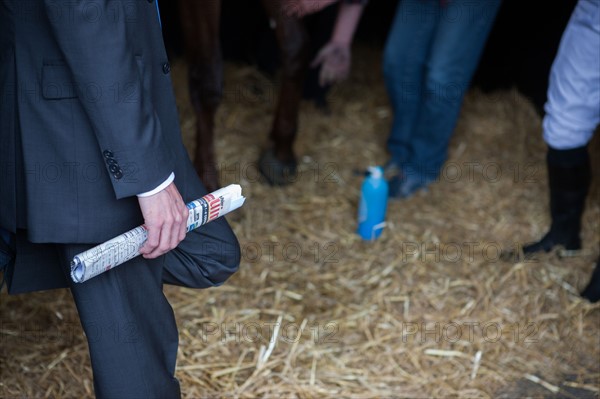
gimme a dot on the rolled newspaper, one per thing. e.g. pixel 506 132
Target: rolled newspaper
pixel 122 248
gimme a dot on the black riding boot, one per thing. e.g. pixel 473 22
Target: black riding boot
pixel 592 291
pixel 569 178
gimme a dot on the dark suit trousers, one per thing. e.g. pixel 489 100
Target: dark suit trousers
pixel 130 328
pixel 128 322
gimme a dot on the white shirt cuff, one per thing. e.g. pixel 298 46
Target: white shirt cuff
pixel 159 188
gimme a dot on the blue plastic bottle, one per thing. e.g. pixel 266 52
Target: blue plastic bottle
pixel 373 204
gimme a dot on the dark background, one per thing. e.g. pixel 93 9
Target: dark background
pixel 519 52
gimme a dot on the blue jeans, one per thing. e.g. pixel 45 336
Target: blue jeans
pixel 430 56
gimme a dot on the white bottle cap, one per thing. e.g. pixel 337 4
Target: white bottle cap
pixel 375 172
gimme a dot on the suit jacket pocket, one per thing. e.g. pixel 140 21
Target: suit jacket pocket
pixel 57 82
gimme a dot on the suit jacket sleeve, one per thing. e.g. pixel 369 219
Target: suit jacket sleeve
pixel 107 63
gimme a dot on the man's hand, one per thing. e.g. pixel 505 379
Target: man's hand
pixel 165 217
pixel 334 59
pixel 301 8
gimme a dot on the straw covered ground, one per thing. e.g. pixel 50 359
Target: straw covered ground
pixel 428 310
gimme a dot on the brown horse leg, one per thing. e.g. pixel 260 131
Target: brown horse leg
pixel 278 164
pixel 200 23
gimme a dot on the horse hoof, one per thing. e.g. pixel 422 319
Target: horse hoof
pixel 276 173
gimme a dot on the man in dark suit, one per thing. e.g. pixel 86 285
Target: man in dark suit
pixel 90 147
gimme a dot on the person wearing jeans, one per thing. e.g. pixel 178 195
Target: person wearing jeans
pixel 431 54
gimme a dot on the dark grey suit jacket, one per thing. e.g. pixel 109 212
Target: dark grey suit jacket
pixel 86 88
pixel 87 119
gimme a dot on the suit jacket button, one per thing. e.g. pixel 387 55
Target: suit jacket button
pixel 108 154
pixel 113 168
pixel 118 174
pixel 166 68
